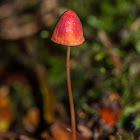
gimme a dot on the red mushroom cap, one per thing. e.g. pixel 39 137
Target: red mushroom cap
pixel 68 30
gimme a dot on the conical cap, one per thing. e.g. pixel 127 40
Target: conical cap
pixel 68 30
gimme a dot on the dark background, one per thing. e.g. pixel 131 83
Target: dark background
pixel 105 69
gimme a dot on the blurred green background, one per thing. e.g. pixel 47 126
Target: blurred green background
pixel 104 69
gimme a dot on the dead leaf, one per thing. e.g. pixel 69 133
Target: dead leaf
pixel 87 133
pixel 61 131
pixel 31 120
pixel 6 112
pixel 113 138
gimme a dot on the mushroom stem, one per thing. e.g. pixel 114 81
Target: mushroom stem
pixel 72 112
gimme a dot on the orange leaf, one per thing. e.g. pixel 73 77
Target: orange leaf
pixel 109 115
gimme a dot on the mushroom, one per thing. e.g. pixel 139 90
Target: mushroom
pixel 68 31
